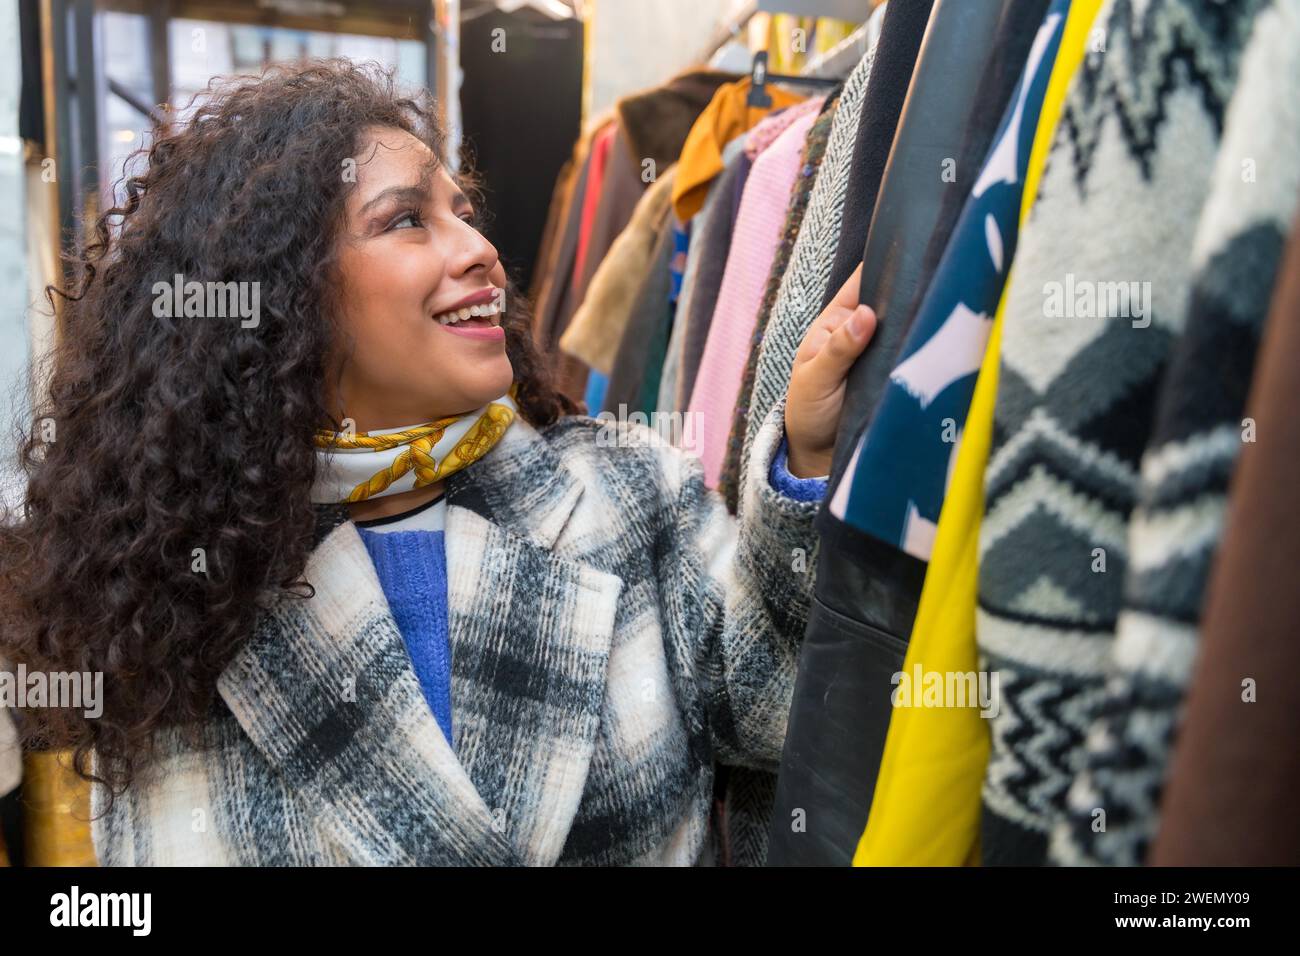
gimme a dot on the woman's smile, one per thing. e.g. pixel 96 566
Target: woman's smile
pixel 477 316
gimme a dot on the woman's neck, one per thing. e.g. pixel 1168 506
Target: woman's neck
pixel 389 505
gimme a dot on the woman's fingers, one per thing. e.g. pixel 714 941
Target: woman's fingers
pixel 832 318
pixel 815 398
pixel 842 345
pixel 850 293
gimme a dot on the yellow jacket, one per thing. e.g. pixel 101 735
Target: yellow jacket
pixel 926 806
pixel 725 118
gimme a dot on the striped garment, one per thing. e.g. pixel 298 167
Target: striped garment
pixel 614 633
pixel 814 150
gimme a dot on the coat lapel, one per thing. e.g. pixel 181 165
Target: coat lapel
pixel 326 691
pixel 530 634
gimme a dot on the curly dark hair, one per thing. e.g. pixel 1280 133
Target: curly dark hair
pixel 174 434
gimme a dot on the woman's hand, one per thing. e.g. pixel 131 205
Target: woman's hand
pixel 815 399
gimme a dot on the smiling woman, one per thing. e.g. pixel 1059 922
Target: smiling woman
pixel 363 587
pixel 410 254
pixel 189 434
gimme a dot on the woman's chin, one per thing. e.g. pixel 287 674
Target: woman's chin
pixel 492 386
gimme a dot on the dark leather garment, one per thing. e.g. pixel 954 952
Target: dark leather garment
pixel 841 704
pixel 891 74
pixel 867 590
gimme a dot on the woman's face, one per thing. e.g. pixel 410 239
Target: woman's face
pixel 408 256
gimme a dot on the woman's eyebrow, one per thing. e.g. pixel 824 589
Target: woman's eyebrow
pixel 411 194
pixel 458 198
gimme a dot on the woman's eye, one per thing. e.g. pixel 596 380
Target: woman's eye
pixel 411 216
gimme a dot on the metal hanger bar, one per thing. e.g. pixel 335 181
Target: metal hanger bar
pixel 796 78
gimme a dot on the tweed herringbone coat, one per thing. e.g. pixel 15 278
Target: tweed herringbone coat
pixel 614 632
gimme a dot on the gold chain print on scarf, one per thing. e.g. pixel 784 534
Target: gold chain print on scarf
pixel 421 452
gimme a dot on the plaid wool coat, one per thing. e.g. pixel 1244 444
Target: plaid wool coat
pixel 614 632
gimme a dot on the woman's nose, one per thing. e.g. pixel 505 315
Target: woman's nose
pixel 474 251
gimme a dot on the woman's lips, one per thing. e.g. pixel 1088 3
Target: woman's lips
pixel 488 332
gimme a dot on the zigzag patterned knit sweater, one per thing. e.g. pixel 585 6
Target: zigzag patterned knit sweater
pixel 1199 431
pixel 1108 281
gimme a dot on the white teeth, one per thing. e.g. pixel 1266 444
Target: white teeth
pixel 457 315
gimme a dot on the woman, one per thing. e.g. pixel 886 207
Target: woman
pixel 362 588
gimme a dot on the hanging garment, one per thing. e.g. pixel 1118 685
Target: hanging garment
pixel 774 125
pixel 502 95
pixel 612 194
pixel 634 381
pixel 699 229
pixel 601 145
pixel 813 152
pixel 677 266
pixel 757 233
pixel 594 397
pixel 926 804
pixel 1233 777
pixel 652 376
pixel 652 129
pixel 901 33
pixel 657 121
pixel 1195 440
pixel 654 125
pixel 931 130
pixel 1016 31
pixel 553 303
pixel 866 590
pixel 597 327
pixel 619 190
pixel 570 373
pixel 893 487
pixel 548 249
pixel 798 301
pixel 56 809
pixel 702 298
pixel 726 117
pixel 1124 186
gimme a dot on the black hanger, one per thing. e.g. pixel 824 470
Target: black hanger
pixel 759 78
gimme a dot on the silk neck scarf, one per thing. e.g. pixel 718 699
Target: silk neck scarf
pixel 390 461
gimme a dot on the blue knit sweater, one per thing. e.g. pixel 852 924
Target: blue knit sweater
pixel 412 569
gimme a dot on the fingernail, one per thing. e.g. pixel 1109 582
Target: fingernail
pixel 855 324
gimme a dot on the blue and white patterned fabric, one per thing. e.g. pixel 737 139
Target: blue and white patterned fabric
pixel 894 485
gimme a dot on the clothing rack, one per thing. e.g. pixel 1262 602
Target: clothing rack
pixel 840 59
pixel 760 77
pixel 731 28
